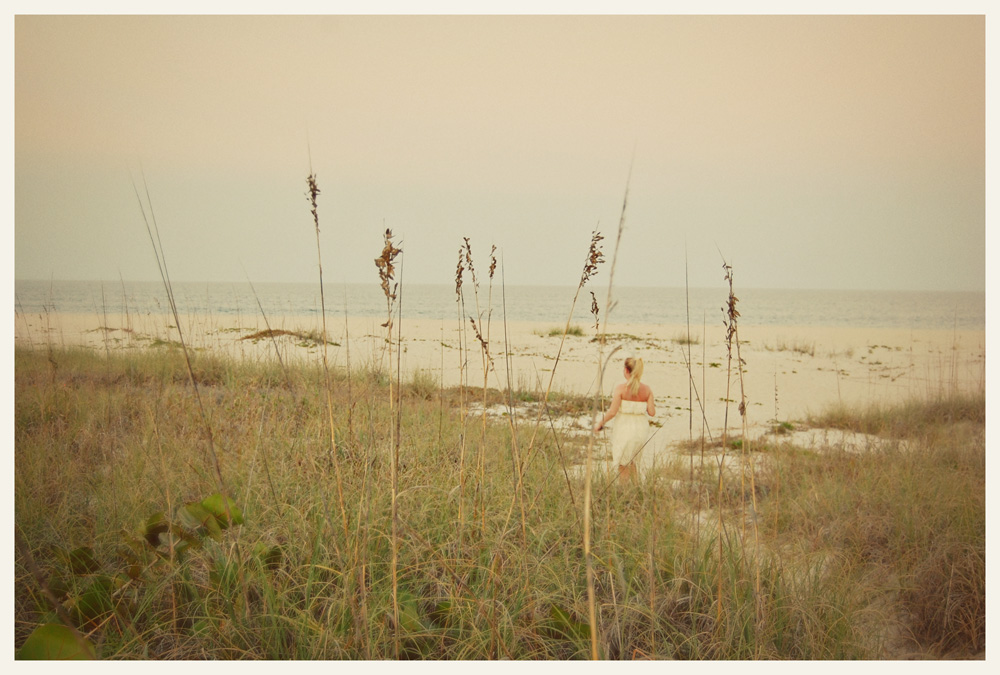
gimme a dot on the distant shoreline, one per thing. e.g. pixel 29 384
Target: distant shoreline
pixel 918 310
pixel 116 283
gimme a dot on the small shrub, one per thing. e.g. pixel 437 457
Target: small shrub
pixel 423 385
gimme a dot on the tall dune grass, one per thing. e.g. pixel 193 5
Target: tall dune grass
pixel 863 556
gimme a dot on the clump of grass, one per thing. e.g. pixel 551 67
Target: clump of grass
pixel 782 428
pixel 312 337
pixel 605 338
pixel 422 385
pixel 804 347
pixel 912 419
pixel 574 331
pixel 685 339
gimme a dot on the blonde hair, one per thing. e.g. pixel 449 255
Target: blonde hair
pixel 634 368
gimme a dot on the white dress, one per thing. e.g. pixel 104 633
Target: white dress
pixel 629 431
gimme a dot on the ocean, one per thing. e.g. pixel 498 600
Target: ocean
pixel 940 310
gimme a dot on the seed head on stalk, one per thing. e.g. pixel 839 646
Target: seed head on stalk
pixel 458 273
pixel 386 270
pixel 313 193
pixel 468 262
pixel 479 336
pixel 594 258
pixel 729 313
pixel 596 311
pixel 483 342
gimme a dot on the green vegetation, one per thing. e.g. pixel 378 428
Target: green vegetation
pixel 804 347
pixel 782 428
pixel 308 338
pixel 685 339
pixel 573 331
pixel 615 337
pixel 127 548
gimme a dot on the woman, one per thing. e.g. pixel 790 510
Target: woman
pixel 634 401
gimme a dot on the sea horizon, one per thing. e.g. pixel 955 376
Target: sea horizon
pixel 595 284
pixel 965 310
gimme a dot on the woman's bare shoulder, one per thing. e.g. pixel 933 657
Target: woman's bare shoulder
pixel 645 392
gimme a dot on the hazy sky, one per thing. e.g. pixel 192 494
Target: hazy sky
pixel 811 152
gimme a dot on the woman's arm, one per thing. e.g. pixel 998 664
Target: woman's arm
pixel 650 406
pixel 616 403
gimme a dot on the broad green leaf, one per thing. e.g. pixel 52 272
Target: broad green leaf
pixel 270 557
pixel 567 625
pixel 202 627
pixel 58 585
pixel 155 525
pixel 196 517
pixel 95 602
pixel 441 613
pixel 409 613
pixel 178 538
pixel 216 505
pixel 55 642
pixel 131 551
pixel 81 561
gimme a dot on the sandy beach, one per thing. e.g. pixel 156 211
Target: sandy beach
pixel 789 371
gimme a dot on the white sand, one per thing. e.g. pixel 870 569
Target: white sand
pixel 790 371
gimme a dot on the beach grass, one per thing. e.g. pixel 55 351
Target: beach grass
pixel 555 331
pixel 879 554
pixel 799 346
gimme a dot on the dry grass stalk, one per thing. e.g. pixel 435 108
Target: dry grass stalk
pixel 589 269
pixel 161 261
pixel 512 420
pixel 386 271
pixel 460 305
pixel 268 333
pixel 486 363
pixel 350 378
pixel 733 326
pixel 151 228
pixel 595 257
pixel 313 194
